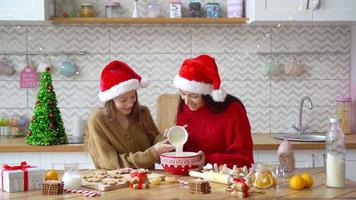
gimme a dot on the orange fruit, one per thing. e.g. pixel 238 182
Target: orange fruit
pixel 51 175
pixel 308 179
pixel 264 180
pixel 297 182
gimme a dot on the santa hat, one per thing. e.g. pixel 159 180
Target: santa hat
pixel 200 75
pixel 118 78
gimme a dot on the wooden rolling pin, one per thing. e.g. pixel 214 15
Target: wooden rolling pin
pixel 213 177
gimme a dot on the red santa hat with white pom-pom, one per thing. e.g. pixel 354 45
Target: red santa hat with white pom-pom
pixel 200 75
pixel 117 78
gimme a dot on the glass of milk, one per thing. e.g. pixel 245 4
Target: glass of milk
pixel 177 136
pixel 71 178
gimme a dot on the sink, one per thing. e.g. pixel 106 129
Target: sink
pixel 305 137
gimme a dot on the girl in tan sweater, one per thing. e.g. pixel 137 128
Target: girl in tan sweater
pixel 123 133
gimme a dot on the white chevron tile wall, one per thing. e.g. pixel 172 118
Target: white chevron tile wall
pixel 157 51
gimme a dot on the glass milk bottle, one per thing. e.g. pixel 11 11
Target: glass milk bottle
pixel 335 155
pixel 71 178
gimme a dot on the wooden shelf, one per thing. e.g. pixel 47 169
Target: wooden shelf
pixel 105 20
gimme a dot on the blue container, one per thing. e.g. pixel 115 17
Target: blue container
pixel 212 10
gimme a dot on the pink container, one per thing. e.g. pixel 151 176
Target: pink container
pixel 179 164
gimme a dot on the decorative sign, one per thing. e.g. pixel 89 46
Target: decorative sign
pixel 28 78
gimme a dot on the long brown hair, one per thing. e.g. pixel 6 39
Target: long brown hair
pixel 135 115
pixel 213 106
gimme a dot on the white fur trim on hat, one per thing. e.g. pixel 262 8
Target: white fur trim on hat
pixel 218 95
pixel 118 89
pixel 192 86
pixel 144 83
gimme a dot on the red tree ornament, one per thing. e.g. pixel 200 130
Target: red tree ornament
pixel 51 115
pixel 51 125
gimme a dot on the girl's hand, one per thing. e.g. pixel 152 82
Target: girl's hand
pixel 163 147
pixel 201 162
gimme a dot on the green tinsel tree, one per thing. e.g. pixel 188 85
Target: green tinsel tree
pixel 47 126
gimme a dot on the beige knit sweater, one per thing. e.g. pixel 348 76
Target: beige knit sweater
pixel 112 147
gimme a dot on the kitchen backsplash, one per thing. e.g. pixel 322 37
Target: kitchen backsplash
pixel 157 51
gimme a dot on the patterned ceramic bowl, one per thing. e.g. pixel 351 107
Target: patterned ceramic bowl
pixel 179 164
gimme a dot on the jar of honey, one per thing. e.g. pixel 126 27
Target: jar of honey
pixel 86 10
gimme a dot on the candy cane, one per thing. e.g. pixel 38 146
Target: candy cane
pixel 86 193
pixel 182 182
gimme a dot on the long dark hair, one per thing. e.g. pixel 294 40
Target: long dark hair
pixel 110 113
pixel 213 106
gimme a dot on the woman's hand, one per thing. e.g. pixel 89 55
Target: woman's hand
pixel 163 147
pixel 201 162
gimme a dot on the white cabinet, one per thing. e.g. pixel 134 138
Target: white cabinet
pixel 277 10
pixel 300 10
pixel 351 164
pixel 335 10
pixel 26 10
pixel 303 158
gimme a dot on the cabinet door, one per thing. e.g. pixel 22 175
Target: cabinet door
pixel 26 10
pixel 351 164
pixel 335 10
pixel 278 10
pixel 303 158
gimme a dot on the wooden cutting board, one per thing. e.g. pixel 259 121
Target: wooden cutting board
pixel 125 182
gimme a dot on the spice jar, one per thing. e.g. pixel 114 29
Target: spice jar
pixel 264 175
pixel 175 9
pixel 212 10
pixel 112 9
pixel 343 111
pixel 86 10
pixel 195 9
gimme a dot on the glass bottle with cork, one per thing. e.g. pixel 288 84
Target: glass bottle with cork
pixel 343 111
pixel 335 155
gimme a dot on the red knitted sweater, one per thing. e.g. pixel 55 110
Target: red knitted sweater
pixel 225 137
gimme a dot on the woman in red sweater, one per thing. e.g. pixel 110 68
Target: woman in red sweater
pixel 218 126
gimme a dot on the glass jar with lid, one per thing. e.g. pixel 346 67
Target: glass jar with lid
pixel 112 9
pixel 264 175
pixel 343 111
pixel 195 8
pixel 86 10
pixel 212 9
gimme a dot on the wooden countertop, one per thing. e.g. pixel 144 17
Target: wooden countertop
pixel 262 141
pixel 177 191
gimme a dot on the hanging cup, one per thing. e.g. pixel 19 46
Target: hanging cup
pixel 5 67
pixel 68 68
pixel 271 67
pixel 294 67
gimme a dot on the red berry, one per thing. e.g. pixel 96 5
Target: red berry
pixel 51 115
pixel 47 69
pixel 51 125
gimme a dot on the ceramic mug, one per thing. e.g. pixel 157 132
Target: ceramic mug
pixel 5 68
pixel 272 68
pixel 294 67
pixel 68 68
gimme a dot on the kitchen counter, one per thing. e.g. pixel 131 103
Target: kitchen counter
pixel 261 141
pixel 178 191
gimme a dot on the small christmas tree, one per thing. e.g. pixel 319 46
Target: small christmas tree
pixel 47 126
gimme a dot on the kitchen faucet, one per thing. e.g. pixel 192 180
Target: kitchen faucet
pixel 300 128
